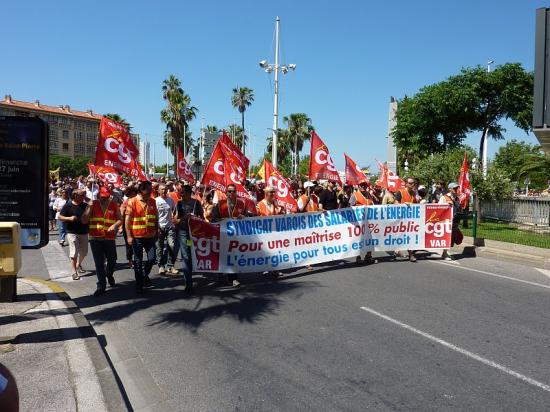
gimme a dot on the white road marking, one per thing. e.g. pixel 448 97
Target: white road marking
pixel 496 275
pixel 464 352
pixel 545 272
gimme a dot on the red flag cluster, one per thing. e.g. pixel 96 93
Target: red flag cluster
pixel 283 194
pixel 116 153
pixel 228 165
pixel 321 165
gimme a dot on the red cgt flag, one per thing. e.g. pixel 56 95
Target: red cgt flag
pixel 107 174
pixel 354 175
pixel 321 165
pixel 464 188
pixel 389 179
pixel 214 173
pixel 115 149
pixel 184 169
pixel 232 150
pixel 283 194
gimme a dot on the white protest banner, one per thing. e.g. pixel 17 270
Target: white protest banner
pixel 289 241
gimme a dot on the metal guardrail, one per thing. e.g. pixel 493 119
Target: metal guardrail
pixel 521 210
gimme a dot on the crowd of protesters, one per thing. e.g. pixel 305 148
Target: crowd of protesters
pixel 152 217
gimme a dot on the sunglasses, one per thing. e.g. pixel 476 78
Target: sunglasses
pixel 230 191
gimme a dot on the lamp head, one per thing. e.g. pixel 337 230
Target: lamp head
pixel 292 66
pixel 263 64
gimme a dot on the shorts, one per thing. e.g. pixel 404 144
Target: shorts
pixel 78 245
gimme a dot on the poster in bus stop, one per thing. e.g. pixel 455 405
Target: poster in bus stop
pixel 24 177
pixel 288 241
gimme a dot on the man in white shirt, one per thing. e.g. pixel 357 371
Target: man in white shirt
pixel 166 243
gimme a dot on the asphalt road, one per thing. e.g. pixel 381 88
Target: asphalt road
pixel 473 334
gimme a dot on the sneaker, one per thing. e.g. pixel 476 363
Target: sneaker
pixel 173 271
pixel 80 270
pixel 76 276
pixel 412 258
pixel 162 270
pixel 111 280
pixel 267 272
pixel 147 281
pixel 236 284
pixel 99 291
pixel 370 261
pixel 446 258
pixel 358 260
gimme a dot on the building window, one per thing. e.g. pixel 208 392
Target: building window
pixel 65 147
pixel 91 137
pixel 78 135
pixel 90 149
pixel 79 148
pixel 53 145
pixel 53 133
pixel 65 134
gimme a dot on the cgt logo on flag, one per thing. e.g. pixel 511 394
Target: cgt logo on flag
pixel 206 245
pixel 439 226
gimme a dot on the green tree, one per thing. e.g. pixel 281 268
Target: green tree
pixel 241 99
pixel 69 167
pixel 176 115
pixel 299 130
pixel 440 116
pixel 284 148
pixel 236 133
pixel 519 160
pixel 210 128
pixel 440 166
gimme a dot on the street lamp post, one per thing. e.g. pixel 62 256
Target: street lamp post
pixel 269 68
pixel 485 134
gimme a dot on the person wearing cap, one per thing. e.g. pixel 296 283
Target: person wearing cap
pixel 309 201
pixel 421 194
pixel 451 198
pixel 104 221
pixel 362 196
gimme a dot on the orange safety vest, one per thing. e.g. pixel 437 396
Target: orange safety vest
pixel 312 205
pixel 175 196
pixel 361 199
pixel 406 197
pixel 101 221
pixel 144 219
pixel 265 210
pixel 225 213
pixel 448 199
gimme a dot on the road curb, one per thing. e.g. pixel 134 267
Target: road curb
pixel 96 385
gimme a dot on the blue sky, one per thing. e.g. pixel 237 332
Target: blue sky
pixel 351 57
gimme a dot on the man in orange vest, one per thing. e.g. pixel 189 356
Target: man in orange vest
pixel 141 224
pixel 230 208
pixel 268 206
pixel 104 222
pixel 362 197
pixel 309 201
pixel 408 196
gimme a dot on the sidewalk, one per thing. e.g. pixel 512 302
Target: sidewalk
pixel 54 353
pixel 493 249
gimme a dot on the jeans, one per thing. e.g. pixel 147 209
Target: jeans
pixel 167 245
pixel 62 228
pixel 103 249
pixel 129 250
pixel 142 268
pixel 185 252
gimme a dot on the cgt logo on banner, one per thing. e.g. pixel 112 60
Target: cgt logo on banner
pixel 439 226
pixel 206 245
pixel 281 242
pixel 321 165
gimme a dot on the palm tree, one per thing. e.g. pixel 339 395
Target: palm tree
pixel 177 115
pixel 241 99
pixel 284 146
pixel 119 119
pixel 299 128
pixel 210 128
pixel 236 133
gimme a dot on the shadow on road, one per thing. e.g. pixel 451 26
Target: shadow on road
pixel 257 298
